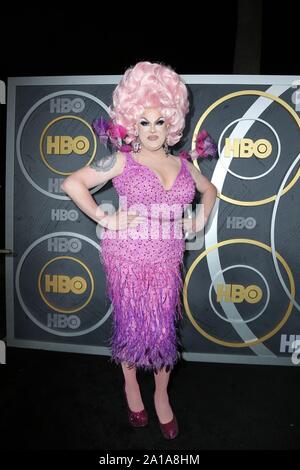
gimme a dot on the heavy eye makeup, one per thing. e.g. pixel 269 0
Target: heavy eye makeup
pixel 160 122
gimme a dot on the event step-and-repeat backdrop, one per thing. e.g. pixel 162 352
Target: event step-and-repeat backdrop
pixel 241 274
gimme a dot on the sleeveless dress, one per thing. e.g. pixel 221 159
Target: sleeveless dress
pixel 143 267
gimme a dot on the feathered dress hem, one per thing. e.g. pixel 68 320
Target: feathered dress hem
pixel 147 310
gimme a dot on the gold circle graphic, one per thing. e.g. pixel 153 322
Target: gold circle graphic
pixel 228 343
pixel 233 95
pixel 64 310
pixel 46 129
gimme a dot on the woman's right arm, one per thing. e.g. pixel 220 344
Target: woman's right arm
pixel 98 173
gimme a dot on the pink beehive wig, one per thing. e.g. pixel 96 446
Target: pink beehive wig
pixel 150 85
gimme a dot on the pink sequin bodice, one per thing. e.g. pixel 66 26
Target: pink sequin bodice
pixel 160 239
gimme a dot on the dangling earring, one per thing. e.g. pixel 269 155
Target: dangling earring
pixel 165 145
pixel 166 148
pixel 136 146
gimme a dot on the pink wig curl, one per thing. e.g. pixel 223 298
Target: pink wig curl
pixel 150 85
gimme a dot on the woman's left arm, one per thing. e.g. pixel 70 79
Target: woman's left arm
pixel 208 191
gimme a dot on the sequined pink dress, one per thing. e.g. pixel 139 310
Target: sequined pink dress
pixel 143 272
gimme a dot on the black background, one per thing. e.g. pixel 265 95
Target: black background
pixel 193 39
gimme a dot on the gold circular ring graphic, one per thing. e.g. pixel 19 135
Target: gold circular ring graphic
pixel 64 310
pixel 228 343
pixel 46 129
pixel 234 95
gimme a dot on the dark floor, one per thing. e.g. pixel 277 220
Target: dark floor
pixel 54 400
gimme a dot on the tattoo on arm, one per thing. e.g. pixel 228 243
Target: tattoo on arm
pixel 104 164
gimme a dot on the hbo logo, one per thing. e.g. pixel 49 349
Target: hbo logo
pixel 63 321
pixel 64 245
pixel 65 144
pixel 241 222
pixel 246 148
pixel 59 283
pixel 63 214
pixel 66 105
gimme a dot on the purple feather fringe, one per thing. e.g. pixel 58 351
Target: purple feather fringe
pixel 147 311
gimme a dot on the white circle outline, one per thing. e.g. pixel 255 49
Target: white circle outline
pixel 18 290
pixel 20 132
pixel 272 234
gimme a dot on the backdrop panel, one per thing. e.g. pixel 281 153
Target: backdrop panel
pixel 241 290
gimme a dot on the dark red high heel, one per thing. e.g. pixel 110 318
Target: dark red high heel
pixel 137 419
pixel 170 430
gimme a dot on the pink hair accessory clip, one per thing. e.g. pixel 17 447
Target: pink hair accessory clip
pixel 205 147
pixel 112 134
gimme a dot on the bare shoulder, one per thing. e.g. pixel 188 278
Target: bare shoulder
pixel 193 170
pixel 175 159
pixel 120 161
pixel 97 173
pixel 114 164
pixel 192 167
pixel 202 183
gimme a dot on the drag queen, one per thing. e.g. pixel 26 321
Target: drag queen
pixel 142 260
